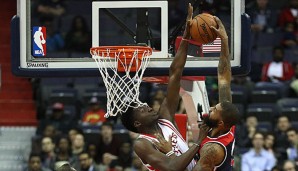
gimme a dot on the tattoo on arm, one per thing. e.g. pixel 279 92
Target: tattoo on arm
pixel 211 155
pixel 224 80
pixel 225 93
pixel 208 156
pixel 224 66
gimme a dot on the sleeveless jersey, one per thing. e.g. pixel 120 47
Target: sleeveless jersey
pixel 227 141
pixel 179 145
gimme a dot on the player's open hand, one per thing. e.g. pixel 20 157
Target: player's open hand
pixel 163 145
pixel 220 31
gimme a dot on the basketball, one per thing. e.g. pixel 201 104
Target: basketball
pixel 201 30
pixel 43 41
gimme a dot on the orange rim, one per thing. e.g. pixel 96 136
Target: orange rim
pixel 120 49
pixel 124 53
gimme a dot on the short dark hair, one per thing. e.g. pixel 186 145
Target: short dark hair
pixel 292 129
pixel 84 152
pixel 34 155
pixel 230 113
pixel 283 115
pixel 107 123
pixel 128 119
pixel 258 132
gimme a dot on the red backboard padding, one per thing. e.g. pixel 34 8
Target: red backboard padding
pixel 181 120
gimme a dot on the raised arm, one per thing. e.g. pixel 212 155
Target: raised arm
pixel 170 103
pixel 224 65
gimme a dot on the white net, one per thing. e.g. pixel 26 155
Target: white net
pixel 122 87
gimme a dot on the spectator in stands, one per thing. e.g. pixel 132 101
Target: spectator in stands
pixel 78 38
pixel 244 134
pixel 269 143
pixel 86 162
pixel 290 35
pixel 277 70
pixel 78 146
pixel 72 134
pixel 282 125
pixel 54 40
pixel 109 143
pixel 289 165
pixel 34 163
pixel 257 158
pixel 93 152
pixel 293 92
pixel 293 140
pixel 49 131
pixel 289 14
pixel 48 156
pixel 125 155
pixel 63 151
pixel 60 121
pixel 263 17
pixel 95 113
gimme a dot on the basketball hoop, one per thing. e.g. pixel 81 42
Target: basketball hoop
pixel 122 69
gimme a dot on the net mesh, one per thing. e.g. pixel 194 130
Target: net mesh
pixel 122 71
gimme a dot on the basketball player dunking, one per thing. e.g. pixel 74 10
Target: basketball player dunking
pixel 216 152
pixel 149 123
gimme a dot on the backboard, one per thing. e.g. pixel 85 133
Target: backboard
pixel 105 23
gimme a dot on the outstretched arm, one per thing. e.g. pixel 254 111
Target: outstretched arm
pixel 211 155
pixel 170 103
pixel 224 65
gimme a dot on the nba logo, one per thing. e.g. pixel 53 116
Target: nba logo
pixel 39 36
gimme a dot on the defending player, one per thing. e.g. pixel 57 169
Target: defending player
pixel 216 152
pixel 152 125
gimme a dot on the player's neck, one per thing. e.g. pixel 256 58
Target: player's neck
pixel 217 132
pixel 154 129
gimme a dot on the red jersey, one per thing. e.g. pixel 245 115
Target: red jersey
pixel 227 141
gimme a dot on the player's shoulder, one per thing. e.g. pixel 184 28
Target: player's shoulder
pixel 142 144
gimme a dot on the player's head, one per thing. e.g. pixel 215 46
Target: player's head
pixel 135 118
pixel 223 115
